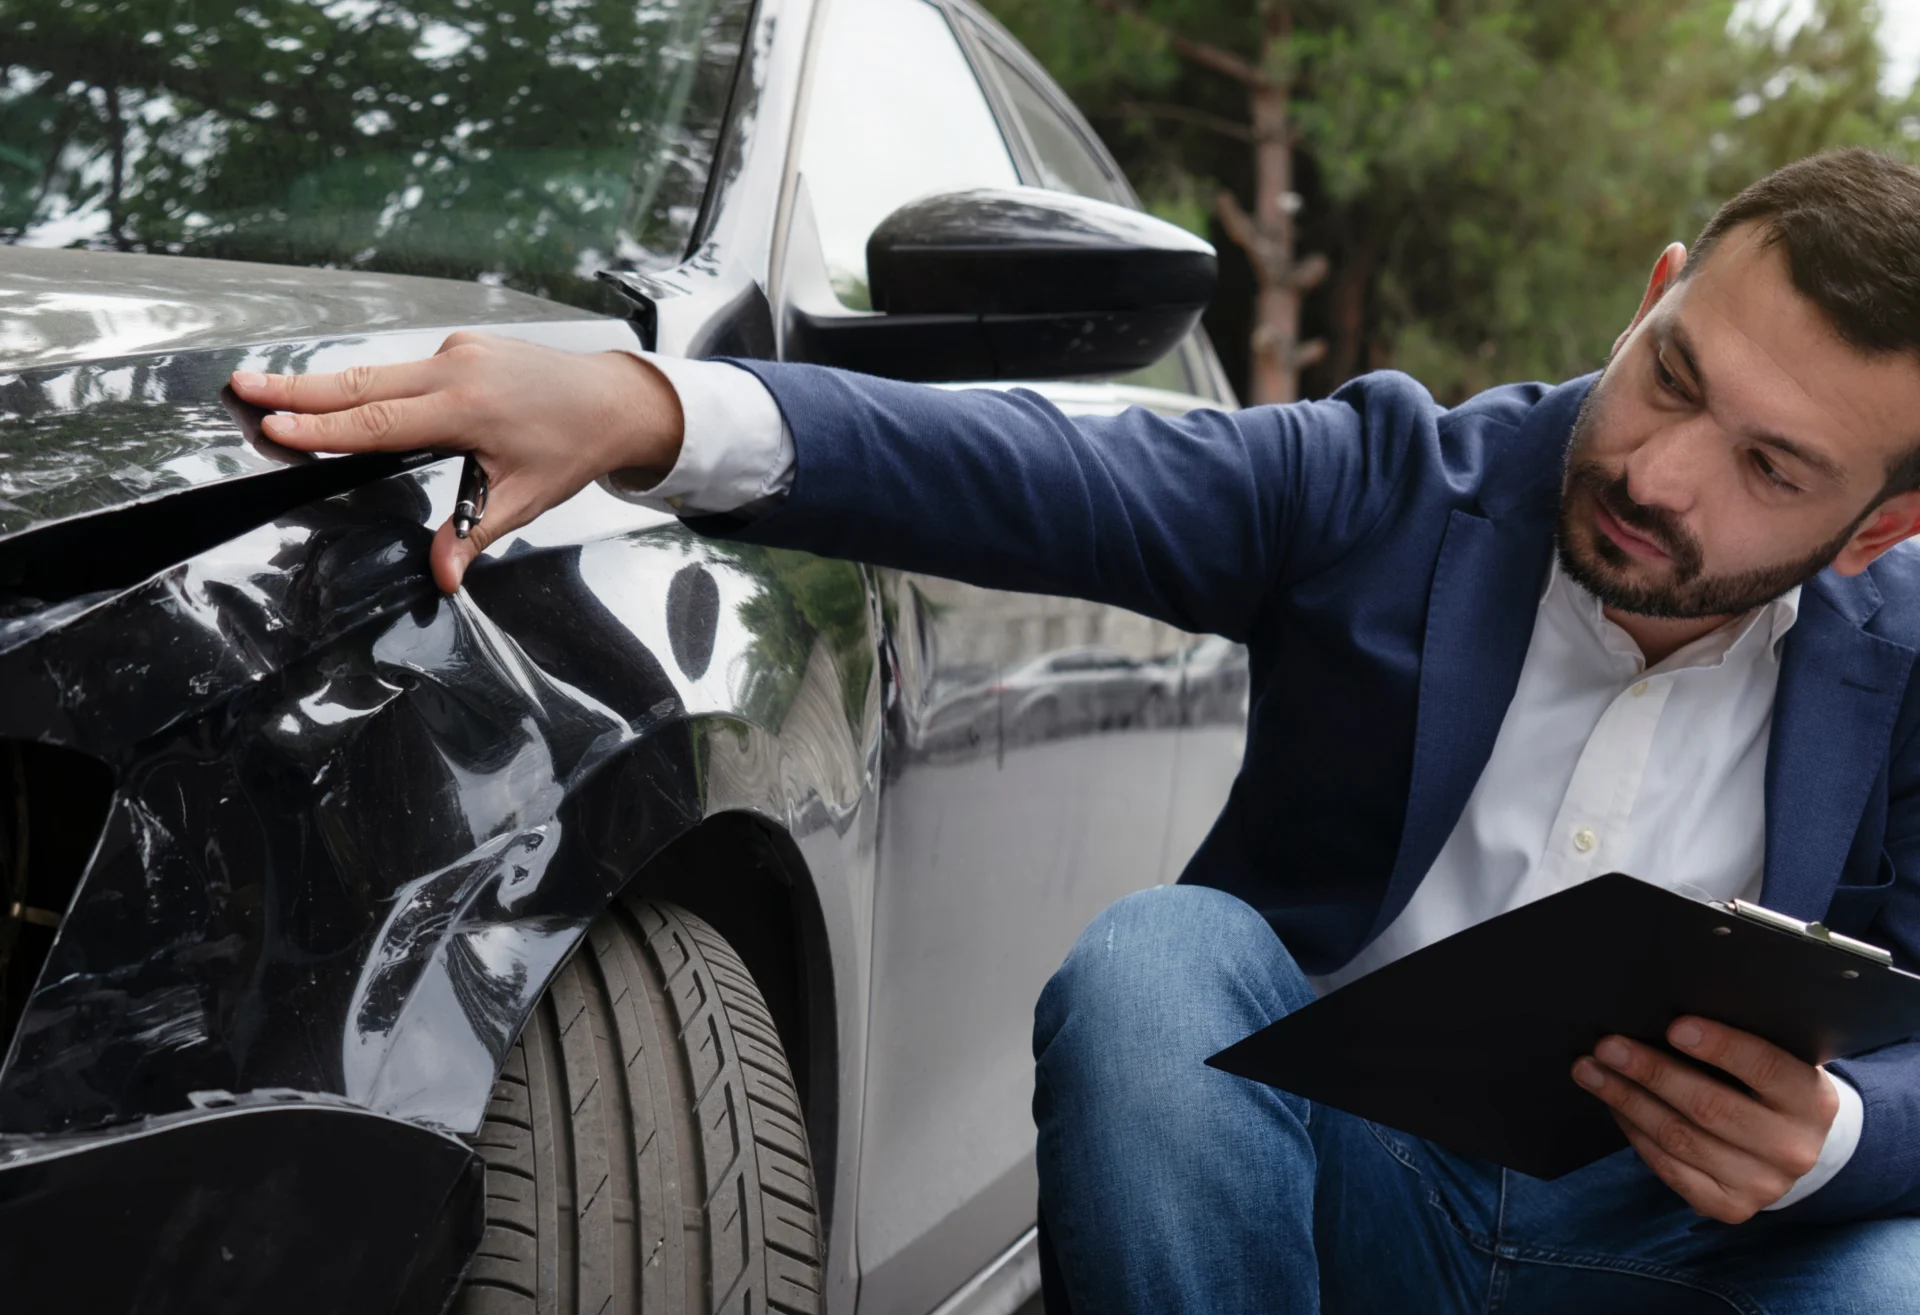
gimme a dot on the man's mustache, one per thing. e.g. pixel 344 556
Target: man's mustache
pixel 1659 526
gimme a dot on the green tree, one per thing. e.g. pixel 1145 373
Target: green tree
pixel 1484 182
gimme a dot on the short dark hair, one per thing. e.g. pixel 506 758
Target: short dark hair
pixel 1849 222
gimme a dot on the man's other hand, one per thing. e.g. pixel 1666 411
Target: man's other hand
pixel 1729 1154
pixel 542 423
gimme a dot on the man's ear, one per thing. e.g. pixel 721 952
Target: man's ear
pixel 1666 271
pixel 1893 521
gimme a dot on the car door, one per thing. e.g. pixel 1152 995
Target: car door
pixel 1058 150
pixel 1032 742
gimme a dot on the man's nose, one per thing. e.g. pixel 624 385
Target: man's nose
pixel 1668 470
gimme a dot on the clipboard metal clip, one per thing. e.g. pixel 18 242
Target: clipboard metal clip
pixel 1810 930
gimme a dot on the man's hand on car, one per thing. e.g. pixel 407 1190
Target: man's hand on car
pixel 542 423
pixel 1728 1153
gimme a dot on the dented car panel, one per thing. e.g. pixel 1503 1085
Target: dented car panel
pixel 353 829
pixel 355 825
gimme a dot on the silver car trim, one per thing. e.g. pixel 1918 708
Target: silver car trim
pixel 1003 1286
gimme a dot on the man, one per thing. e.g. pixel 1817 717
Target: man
pixel 1650 621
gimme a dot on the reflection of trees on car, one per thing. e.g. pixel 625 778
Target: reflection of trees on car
pixel 801 599
pixel 516 142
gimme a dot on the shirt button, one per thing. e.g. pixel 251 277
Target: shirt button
pixel 1639 689
pixel 1584 840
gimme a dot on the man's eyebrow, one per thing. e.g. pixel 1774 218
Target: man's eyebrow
pixel 1817 462
pixel 1677 335
pixel 1800 452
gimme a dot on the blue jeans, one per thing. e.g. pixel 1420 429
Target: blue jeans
pixel 1167 1186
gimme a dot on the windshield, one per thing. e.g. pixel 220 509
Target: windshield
pixel 521 142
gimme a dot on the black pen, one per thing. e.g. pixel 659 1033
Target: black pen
pixel 470 502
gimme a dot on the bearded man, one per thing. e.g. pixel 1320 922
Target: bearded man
pixel 1656 620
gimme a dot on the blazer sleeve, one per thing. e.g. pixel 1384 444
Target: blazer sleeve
pixel 1193 520
pixel 1883 1176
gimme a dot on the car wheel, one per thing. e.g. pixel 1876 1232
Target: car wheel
pixel 644 1145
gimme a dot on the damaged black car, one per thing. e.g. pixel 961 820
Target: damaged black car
pixel 655 924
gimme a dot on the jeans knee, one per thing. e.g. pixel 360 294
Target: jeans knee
pixel 1170 957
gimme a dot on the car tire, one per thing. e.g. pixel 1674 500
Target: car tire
pixel 645 1148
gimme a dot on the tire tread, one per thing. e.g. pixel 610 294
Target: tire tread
pixel 645 1147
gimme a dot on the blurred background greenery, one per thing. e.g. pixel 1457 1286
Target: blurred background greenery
pixel 1473 191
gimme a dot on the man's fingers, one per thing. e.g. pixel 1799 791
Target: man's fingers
pixel 388 425
pixel 337 391
pixel 1674 1133
pixel 450 555
pixel 1779 1079
pixel 1697 1189
pixel 1710 1103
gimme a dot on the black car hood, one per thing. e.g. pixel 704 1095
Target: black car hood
pixel 115 466
pixel 61 307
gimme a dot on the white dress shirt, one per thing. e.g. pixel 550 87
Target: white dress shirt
pixel 737 451
pixel 1602 764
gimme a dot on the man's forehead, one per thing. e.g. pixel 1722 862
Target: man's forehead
pixel 1769 359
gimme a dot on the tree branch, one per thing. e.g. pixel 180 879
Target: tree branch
pixel 1182 114
pixel 1203 53
pixel 1309 272
pixel 1311 352
pixel 1269 265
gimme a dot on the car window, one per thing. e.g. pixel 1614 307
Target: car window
pixel 517 142
pixel 895 113
pixel 1060 153
pixel 1066 163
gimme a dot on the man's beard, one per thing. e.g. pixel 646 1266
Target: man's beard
pixel 1586 553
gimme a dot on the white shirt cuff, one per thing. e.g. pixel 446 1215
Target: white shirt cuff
pixel 736 452
pixel 1842 1139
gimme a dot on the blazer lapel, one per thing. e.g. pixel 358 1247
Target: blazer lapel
pixel 1480 615
pixel 1833 714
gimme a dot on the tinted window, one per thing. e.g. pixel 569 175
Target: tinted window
pixel 1061 154
pixel 525 142
pixel 895 113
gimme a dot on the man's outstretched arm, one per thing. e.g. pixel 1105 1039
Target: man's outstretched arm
pixel 1193 520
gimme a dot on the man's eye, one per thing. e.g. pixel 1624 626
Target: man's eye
pixel 1666 377
pixel 1771 473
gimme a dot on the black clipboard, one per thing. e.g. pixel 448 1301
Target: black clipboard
pixel 1470 1042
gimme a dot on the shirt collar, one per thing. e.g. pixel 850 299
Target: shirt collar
pixel 1776 616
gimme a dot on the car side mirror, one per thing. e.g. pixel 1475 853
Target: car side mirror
pixel 1010 283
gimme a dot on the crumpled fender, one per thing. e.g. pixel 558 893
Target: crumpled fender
pixel 357 825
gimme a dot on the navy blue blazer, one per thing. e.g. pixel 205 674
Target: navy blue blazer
pixel 1382 558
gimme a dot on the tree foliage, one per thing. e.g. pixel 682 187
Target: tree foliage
pixel 1491 180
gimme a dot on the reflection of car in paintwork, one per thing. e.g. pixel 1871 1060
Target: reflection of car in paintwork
pixel 329 905
pixel 1217 683
pixel 1086 691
